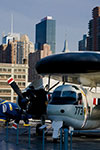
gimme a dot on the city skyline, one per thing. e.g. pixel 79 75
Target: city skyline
pixel 71 18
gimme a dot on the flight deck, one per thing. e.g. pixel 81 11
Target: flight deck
pixel 9 140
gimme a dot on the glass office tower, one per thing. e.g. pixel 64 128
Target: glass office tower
pixel 46 33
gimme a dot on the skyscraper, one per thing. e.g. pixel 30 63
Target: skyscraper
pixel 82 44
pixel 92 41
pixel 94 30
pixel 46 33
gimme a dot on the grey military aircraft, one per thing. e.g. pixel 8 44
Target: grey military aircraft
pixel 71 104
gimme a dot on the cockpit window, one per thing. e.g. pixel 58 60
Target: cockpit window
pixel 69 94
pixel 64 97
pixel 56 94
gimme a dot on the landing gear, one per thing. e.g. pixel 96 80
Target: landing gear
pixel 38 131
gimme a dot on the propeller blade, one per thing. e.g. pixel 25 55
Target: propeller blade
pixel 15 87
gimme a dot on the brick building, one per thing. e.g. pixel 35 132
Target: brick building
pixel 91 42
pixel 33 58
pixel 94 30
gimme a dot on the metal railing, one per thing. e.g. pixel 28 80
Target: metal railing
pixel 17 134
pixel 63 146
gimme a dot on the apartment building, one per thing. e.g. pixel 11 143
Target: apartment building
pixel 91 42
pixel 20 74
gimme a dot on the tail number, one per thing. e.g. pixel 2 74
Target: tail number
pixel 78 110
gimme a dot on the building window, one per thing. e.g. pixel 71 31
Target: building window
pixel 23 76
pixel 23 84
pixel 15 76
pixel 6 98
pixel 5 91
pixel 19 70
pixel 9 70
pixel 4 70
pixel 19 76
pixel 5 76
pixel 3 84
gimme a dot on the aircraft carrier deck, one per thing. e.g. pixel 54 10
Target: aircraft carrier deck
pixel 9 141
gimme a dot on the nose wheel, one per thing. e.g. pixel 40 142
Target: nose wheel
pixel 39 132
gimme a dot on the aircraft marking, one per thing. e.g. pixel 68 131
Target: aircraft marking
pixel 4 108
pixel 10 80
pixel 3 120
pixel 3 102
pixel 78 110
pixel 11 108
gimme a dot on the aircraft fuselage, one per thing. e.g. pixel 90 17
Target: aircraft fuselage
pixel 74 106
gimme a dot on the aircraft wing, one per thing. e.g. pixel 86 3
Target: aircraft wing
pixel 74 67
pixel 2 119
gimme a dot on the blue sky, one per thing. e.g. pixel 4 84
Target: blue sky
pixel 72 17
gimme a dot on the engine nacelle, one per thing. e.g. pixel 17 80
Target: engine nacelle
pixel 34 102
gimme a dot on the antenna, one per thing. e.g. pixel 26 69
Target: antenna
pixel 66 36
pixel 65 44
pixel 11 23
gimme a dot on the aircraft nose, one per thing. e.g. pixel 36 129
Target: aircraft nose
pixel 55 110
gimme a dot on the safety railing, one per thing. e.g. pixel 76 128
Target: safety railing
pixel 68 137
pixel 17 134
pixel 76 132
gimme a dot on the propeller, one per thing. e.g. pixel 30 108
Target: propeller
pixel 21 101
pixel 32 101
pixel 15 87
